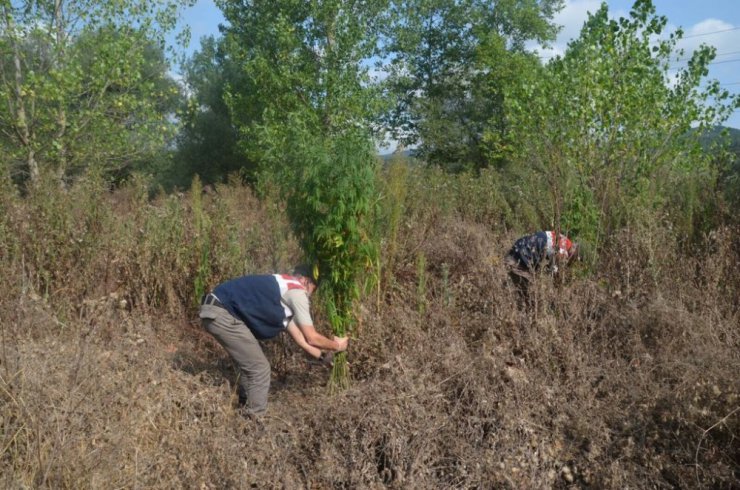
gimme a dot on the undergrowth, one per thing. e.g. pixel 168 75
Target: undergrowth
pixel 623 375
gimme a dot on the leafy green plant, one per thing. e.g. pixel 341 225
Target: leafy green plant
pixel 394 191
pixel 87 84
pixel 330 202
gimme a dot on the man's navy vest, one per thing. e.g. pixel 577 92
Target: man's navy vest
pixel 255 300
pixel 530 250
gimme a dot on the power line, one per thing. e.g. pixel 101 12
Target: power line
pixel 728 53
pixel 726 61
pixel 680 60
pixel 710 33
pixel 716 54
pixel 679 64
pixel 682 38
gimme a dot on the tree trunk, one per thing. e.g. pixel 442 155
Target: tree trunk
pixel 18 101
pixel 60 34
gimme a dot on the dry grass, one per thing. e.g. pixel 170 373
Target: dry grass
pixel 622 378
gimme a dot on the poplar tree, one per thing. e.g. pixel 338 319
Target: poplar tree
pixel 610 131
pixel 83 83
pixel 443 59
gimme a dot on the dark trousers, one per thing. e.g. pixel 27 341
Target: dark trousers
pixel 244 349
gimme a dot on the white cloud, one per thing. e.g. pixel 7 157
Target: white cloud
pixel 713 32
pixel 571 19
pixel 723 36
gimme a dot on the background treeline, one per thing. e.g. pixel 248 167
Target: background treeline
pixel 606 136
pixel 124 195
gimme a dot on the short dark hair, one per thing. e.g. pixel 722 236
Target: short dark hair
pixel 305 270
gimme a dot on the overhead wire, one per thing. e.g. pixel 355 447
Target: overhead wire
pixel 710 33
pixel 682 38
pixel 678 62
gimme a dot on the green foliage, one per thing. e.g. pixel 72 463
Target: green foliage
pixel 302 107
pixel 449 71
pixel 416 193
pixel 207 144
pixel 330 208
pixel 302 68
pixel 394 189
pixel 724 146
pixel 84 84
pixel 502 80
pixel 330 203
pixel 604 134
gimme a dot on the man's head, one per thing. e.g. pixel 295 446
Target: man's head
pixel 574 253
pixel 309 275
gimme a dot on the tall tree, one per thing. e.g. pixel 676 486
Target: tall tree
pixel 84 82
pixel 304 64
pixel 304 114
pixel 207 142
pixel 606 131
pixel 439 53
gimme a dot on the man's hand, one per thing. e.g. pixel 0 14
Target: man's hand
pixel 342 343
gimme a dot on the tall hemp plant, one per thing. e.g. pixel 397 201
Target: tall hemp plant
pixel 331 209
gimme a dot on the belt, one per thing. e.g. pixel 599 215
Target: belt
pixel 211 299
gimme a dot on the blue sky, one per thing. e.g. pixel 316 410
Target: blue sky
pixel 713 22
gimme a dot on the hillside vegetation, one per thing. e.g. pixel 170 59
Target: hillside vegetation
pixel 624 375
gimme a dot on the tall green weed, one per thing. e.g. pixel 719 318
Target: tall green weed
pixel 393 187
pixel 329 188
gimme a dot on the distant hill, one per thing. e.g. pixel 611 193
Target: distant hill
pixel 714 134
pixel 404 154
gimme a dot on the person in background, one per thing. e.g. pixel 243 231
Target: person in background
pixel 531 253
pixel 241 312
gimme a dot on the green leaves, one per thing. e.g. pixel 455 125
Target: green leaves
pixel 330 199
pixel 302 106
pixel 610 131
pixel 451 65
pixel 85 84
pixel 303 65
